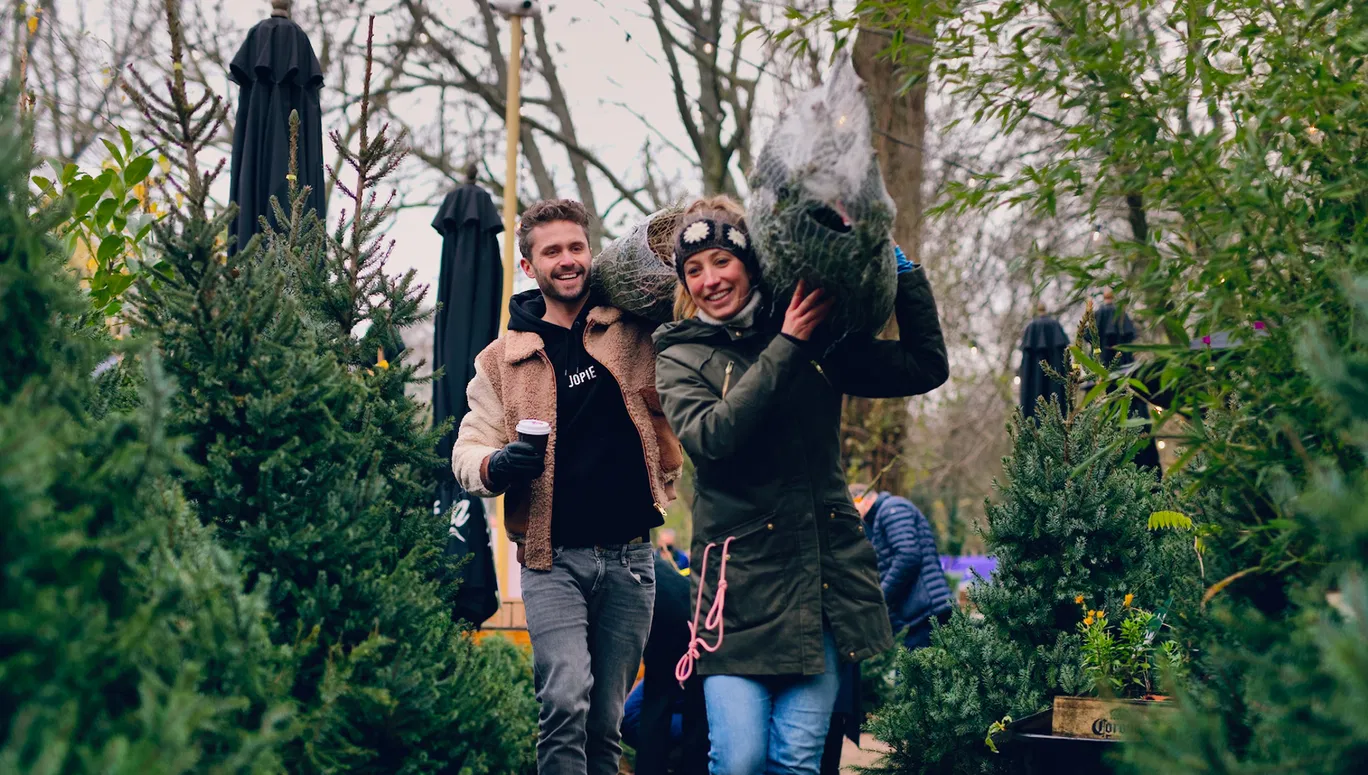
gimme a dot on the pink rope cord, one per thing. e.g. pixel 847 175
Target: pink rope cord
pixel 714 619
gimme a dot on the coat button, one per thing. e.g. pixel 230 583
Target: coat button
pixel 826 586
pixel 769 526
pixel 833 515
pixel 852 655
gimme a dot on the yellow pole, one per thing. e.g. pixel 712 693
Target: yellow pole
pixel 513 120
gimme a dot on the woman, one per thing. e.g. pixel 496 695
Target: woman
pixel 783 570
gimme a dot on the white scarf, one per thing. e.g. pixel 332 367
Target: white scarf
pixel 742 320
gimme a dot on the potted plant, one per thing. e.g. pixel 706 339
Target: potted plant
pixel 1122 660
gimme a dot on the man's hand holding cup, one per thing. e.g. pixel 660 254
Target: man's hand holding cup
pixel 521 461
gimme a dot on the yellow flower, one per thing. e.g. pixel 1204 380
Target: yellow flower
pixel 33 25
pixel 1101 614
pixel 91 265
pixel 1127 601
pixel 1088 620
pixel 382 363
pixel 1079 600
pixel 164 163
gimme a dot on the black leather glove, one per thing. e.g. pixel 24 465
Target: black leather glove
pixel 517 463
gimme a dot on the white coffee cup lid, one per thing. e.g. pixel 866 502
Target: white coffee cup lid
pixel 534 427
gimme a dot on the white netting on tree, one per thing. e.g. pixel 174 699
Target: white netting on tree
pixel 818 209
pixel 635 272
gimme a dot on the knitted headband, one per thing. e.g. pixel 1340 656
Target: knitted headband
pixel 702 233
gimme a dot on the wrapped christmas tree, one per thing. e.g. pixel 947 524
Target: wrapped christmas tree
pixel 818 210
pixel 636 273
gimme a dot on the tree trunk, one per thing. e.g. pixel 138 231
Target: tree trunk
pixel 875 430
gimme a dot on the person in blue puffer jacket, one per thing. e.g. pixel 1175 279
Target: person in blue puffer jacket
pixel 909 564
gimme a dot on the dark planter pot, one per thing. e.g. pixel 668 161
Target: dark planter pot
pixel 1031 749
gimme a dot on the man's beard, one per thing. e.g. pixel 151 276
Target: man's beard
pixel 547 284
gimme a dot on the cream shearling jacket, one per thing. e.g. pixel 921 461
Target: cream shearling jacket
pixel 514 380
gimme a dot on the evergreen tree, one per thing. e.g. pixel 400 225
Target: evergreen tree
pixel 127 644
pixel 1070 523
pixel 310 460
pixel 1290 693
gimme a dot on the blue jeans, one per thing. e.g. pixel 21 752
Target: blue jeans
pixel 588 618
pixel 770 724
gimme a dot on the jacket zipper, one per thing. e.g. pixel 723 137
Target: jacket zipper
pixel 726 380
pixel 818 367
pixel 645 455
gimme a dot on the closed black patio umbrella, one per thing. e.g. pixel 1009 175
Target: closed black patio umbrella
pixel 1046 341
pixel 1114 328
pixel 277 73
pixel 469 289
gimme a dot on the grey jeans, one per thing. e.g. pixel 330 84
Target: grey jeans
pixel 588 618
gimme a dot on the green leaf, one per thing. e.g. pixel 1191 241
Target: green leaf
pixel 137 170
pixel 127 141
pixel 1169 520
pixel 109 247
pixel 105 211
pixel 83 206
pixel 113 151
pixel 42 183
pixel 1088 363
pixel 118 283
pixel 1097 390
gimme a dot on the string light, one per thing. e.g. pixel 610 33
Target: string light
pixel 1016 380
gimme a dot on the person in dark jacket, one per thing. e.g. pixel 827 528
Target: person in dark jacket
pixel 671 718
pixel 783 574
pixel 909 565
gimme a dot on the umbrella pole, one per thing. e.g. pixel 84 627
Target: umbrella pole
pixel 513 121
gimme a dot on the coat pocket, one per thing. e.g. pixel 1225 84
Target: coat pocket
pixel 851 564
pixel 758 560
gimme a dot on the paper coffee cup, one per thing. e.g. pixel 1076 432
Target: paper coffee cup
pixel 534 432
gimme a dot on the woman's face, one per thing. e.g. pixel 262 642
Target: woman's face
pixel 718 282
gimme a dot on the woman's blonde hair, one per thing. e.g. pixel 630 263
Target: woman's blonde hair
pixel 718 207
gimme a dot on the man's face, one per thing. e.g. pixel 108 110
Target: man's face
pixel 866 502
pixel 560 260
pixel 666 538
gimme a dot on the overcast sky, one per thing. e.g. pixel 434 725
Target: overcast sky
pixel 610 53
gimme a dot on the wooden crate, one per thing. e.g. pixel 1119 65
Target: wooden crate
pixel 1090 717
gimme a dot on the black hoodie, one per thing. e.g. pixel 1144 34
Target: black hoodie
pixel 602 492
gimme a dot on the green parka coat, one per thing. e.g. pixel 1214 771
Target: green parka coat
pixel 760 415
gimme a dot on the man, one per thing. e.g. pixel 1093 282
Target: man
pixel 909 565
pixel 665 541
pixel 580 512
